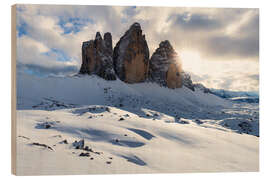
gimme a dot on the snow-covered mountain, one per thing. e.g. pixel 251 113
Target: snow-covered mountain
pixel 84 124
pixel 231 94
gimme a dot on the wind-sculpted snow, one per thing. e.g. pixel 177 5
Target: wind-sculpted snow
pixel 130 128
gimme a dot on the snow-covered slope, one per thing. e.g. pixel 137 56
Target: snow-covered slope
pixel 129 128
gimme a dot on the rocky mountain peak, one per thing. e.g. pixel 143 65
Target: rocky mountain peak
pixel 165 66
pixel 129 59
pixel 131 56
pixel 97 58
pixel 135 26
pixel 98 36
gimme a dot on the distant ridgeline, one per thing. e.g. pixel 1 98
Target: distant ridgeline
pixel 129 60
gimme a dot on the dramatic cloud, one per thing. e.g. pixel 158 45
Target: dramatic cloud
pixel 49 38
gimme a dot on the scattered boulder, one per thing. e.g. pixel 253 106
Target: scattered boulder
pixel 86 148
pixel 198 121
pixel 165 66
pixel 131 56
pixel 97 57
pixel 107 109
pixel 45 125
pixel 87 154
pixel 245 127
pixel 64 142
pixel 42 145
pixel 79 145
pixel 121 119
pixel 183 122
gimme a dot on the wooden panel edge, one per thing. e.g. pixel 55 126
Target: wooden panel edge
pixel 13 90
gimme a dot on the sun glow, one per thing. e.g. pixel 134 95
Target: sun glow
pixel 191 61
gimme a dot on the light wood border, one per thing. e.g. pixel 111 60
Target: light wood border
pixel 13 90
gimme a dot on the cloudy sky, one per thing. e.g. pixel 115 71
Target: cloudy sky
pixel 219 47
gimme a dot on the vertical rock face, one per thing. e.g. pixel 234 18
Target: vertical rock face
pixel 165 66
pixel 97 57
pixel 108 42
pixel 186 81
pixel 131 56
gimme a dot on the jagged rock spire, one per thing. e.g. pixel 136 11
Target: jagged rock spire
pixel 131 56
pixel 108 42
pixel 97 58
pixel 165 66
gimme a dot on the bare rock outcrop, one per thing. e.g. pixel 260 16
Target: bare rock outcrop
pixel 187 82
pixel 97 57
pixel 165 66
pixel 131 56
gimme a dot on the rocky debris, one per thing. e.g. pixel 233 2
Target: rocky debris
pixel 121 119
pixel 52 104
pixel 45 125
pixel 86 148
pixel 131 56
pixel 78 145
pixel 87 154
pixel 165 66
pixel 24 137
pixel 180 121
pixel 183 122
pixel 64 142
pixel 97 57
pixel 42 145
pixel 202 88
pixel 186 79
pixel 126 115
pixel 99 153
pixel 57 136
pixel 198 121
pixel 246 127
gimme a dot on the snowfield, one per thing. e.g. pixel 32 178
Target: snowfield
pixel 86 125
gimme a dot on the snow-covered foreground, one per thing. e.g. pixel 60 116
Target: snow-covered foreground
pixel 139 128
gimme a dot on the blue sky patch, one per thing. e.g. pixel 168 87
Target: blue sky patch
pixel 58 54
pixel 73 24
